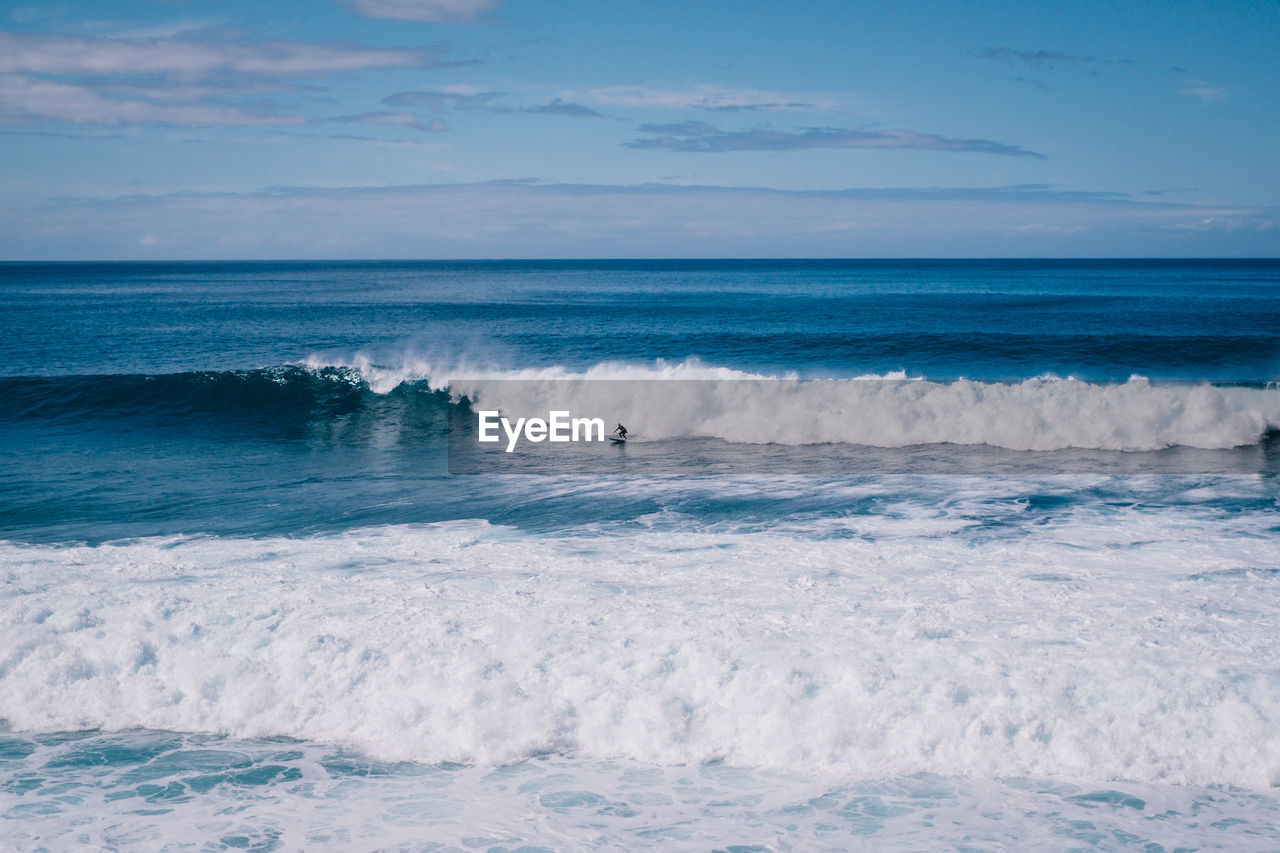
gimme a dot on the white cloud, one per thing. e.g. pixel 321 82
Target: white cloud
pixel 396 118
pixel 27 99
pixel 698 136
pixel 431 11
pixel 184 82
pixel 444 98
pixel 175 92
pixel 702 97
pixel 1205 92
pixel 67 55
pixel 163 30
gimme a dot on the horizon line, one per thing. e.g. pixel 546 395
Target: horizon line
pixel 667 259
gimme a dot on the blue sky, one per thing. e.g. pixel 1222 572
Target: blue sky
pixel 501 128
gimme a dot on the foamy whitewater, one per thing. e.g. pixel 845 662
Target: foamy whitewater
pixel 880 580
pixel 690 399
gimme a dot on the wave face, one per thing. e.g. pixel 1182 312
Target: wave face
pixel 281 394
pixel 903 652
pixel 687 399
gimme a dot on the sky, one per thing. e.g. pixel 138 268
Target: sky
pixel 163 129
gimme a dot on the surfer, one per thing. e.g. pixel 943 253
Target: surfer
pixel 621 431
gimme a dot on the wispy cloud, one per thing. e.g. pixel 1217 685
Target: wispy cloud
pixel 1231 221
pixel 203 91
pixel 396 119
pixel 576 103
pixel 558 107
pixel 702 97
pixel 176 81
pixel 475 98
pixel 28 99
pixel 430 11
pixel 414 141
pixel 1034 57
pixel 188 58
pixel 1204 91
pixel 163 30
pixel 697 136
pixel 57 134
pixel 445 98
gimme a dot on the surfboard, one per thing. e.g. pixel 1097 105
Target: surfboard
pixel 617 439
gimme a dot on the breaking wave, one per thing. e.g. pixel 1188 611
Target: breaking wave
pixel 686 399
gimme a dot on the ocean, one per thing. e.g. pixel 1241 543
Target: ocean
pixel 926 555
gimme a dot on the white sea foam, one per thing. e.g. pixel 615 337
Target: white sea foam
pixel 1045 413
pixel 1095 650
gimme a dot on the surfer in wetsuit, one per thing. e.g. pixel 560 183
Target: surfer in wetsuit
pixel 621 431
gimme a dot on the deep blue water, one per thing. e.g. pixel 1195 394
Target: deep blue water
pixel 981 319
pixel 141 398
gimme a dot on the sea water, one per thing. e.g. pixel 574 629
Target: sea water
pixel 927 555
